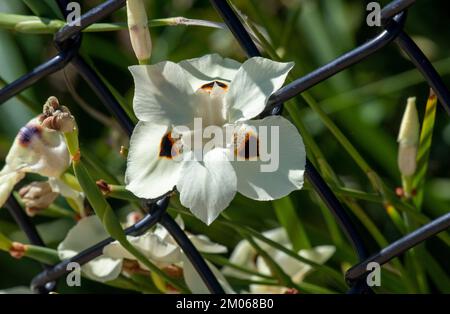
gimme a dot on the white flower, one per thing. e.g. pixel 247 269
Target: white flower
pixel 35 149
pixel 157 245
pixel 246 256
pixel 222 93
pixel 87 232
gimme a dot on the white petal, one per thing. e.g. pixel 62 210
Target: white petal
pixel 8 179
pixel 39 150
pixel 210 68
pixel 318 254
pixel 207 187
pixel 263 268
pixel 116 251
pixel 278 235
pixel 58 186
pixel 162 93
pixel 243 255
pixel 103 269
pixel 151 246
pixel 265 289
pixel 205 245
pixel 290 168
pixel 256 80
pixel 87 232
pixel 149 175
pixel 195 282
pixel 157 250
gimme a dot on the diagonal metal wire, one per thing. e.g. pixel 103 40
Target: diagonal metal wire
pixel 400 246
pixel 339 64
pixel 68 40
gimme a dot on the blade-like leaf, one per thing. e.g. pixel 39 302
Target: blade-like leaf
pixel 423 153
pixel 288 218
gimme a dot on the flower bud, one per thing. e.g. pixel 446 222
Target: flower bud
pixel 35 149
pixel 139 32
pixel 408 139
pixel 57 117
pixel 37 196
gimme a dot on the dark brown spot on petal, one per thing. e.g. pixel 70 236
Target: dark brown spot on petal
pixel 168 147
pixel 247 148
pixel 209 86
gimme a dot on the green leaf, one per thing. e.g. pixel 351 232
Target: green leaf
pixel 436 273
pixel 288 218
pixel 423 153
pixel 40 8
pixel 98 202
pixel 5 243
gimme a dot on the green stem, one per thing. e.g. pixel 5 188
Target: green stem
pixel 5 243
pixel 37 25
pixel 288 218
pixel 42 254
pixel 121 193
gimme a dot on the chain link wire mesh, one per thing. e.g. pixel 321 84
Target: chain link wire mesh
pixel 67 41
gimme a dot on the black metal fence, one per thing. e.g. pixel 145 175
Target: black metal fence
pixel 67 40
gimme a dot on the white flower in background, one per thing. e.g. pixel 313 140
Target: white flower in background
pixel 246 256
pixel 35 149
pixel 157 245
pixel 87 232
pixel 223 94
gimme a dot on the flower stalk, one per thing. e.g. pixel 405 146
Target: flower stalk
pixel 37 25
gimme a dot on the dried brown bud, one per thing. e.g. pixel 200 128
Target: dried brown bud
pixel 17 250
pixel 51 105
pixel 103 186
pixel 57 117
pixel 37 196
